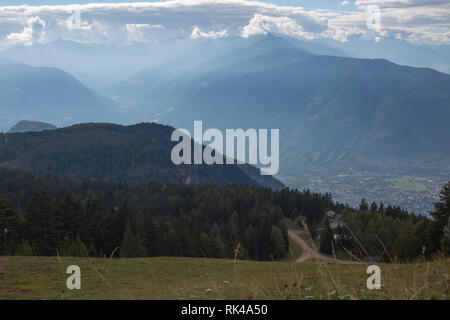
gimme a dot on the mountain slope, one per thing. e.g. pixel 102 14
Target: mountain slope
pixel 156 90
pixel 48 93
pixel 107 151
pixel 333 110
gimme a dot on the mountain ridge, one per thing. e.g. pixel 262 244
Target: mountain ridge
pixel 27 126
pixel 329 101
pixel 50 94
pixel 114 152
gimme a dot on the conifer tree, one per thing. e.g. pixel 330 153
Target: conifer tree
pixel 78 248
pixel 42 224
pixel 278 245
pixel 9 221
pixel 91 250
pixel 24 249
pixel 381 207
pixel 441 216
pixel 406 246
pixel 373 207
pixel 217 244
pixel 363 206
pixel 92 222
pixel 152 237
pixel 132 245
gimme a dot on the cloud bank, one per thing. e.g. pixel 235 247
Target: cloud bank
pixel 418 21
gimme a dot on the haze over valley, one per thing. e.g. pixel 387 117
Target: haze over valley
pixel 350 126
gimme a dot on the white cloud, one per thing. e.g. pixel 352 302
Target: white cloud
pixel 345 3
pixel 400 3
pixel 199 34
pixel 261 24
pixel 414 20
pixel 136 31
pixel 33 31
pixel 419 21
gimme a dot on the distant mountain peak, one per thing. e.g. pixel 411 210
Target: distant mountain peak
pixel 33 126
pixel 269 41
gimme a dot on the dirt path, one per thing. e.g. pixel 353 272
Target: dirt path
pixel 308 253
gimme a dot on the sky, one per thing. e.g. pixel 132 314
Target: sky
pixel 122 22
pixel 308 4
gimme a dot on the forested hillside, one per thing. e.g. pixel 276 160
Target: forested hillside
pixel 93 217
pixel 108 151
pixel 80 217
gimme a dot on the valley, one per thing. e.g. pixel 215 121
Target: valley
pixel 413 193
pixel 224 150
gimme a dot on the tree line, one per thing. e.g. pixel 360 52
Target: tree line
pixel 82 217
pixel 389 233
pixel 49 215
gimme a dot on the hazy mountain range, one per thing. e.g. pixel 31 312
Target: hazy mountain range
pixel 336 110
pixel 331 110
pixel 48 94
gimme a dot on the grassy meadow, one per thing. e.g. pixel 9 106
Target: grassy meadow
pixel 194 278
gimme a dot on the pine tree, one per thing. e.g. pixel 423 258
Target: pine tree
pixel 373 207
pixel 233 238
pixel 441 216
pixel 152 237
pixel 406 246
pixel 381 208
pixel 169 240
pixel 205 246
pixel 91 250
pixel 9 221
pixel 66 250
pixel 92 222
pixel 363 206
pixel 217 244
pixel 140 248
pixel 263 243
pixel 278 245
pixel 78 248
pixel 70 213
pixel 24 249
pixel 250 242
pixel 132 245
pixel 42 224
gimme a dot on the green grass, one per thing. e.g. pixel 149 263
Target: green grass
pixel 193 278
pixel 294 252
pixel 406 185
